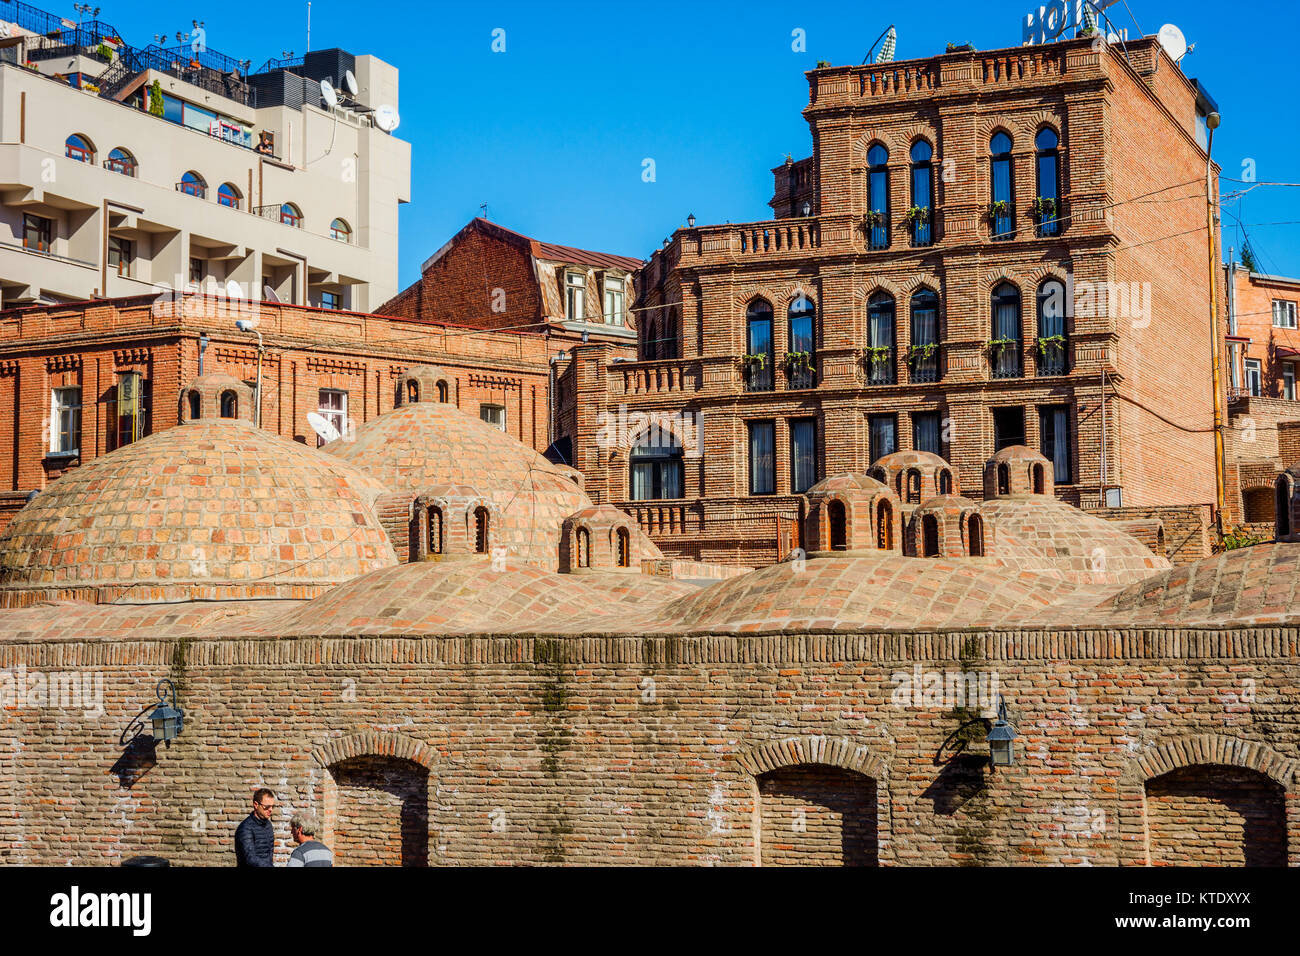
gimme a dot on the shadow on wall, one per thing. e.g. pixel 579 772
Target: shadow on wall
pixel 1215 815
pixel 818 815
pixel 380 812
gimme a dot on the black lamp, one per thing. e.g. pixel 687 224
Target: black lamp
pixel 1002 738
pixel 168 720
pixel 690 220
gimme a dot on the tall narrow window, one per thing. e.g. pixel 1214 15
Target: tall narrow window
pixel 975 536
pixel 333 407
pixel 435 529
pixel 923 355
pixel 1006 345
pixel 655 467
pixel 921 215
pixel 882 435
pixel 615 309
pixel 1047 203
pixel 884 526
pixel 878 197
pixel 480 530
pixel 945 482
pixel 65 416
pixel 1288 381
pixel 803 454
pixel 1051 351
pixel 669 336
pixel 121 255
pixel 927 433
pixel 1002 204
pixel 229 405
pixel 575 286
pixel 623 540
pixel 442 392
pixel 759 357
pixel 584 548
pixel 38 233
pixel 412 390
pixel 196 411
pixel 1282 506
pixel 132 408
pixel 762 458
pixel 880 340
pixel 837 518
pixel 1254 377
pixel 802 350
pixel 1054 431
pixel 929 536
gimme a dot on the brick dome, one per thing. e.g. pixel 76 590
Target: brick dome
pixel 1018 470
pixel 851 514
pixel 948 526
pixel 214 509
pixel 425 445
pixel 916 475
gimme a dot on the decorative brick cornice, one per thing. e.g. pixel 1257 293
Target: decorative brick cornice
pixel 373 744
pixel 318 363
pixel 1214 749
pixel 9 367
pixel 139 355
pixel 62 363
pixel 500 381
pixel 829 751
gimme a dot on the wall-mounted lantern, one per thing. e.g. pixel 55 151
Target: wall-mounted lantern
pixel 168 720
pixel 1002 738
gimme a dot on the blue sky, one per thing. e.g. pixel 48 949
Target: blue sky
pixel 552 132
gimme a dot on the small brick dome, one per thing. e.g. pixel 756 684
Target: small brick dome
pixel 604 539
pixel 915 475
pixel 212 510
pixel 1018 470
pixel 423 446
pixel 217 397
pixel 426 383
pixel 948 526
pixel 851 513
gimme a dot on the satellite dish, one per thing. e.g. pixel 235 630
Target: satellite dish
pixel 268 295
pixel 327 93
pixel 234 290
pixel 386 118
pixel 322 426
pixel 350 82
pixel 1172 39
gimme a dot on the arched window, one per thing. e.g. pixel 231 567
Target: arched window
pixel 880 340
pixel 655 467
pixel 1047 203
pixel 760 355
pixel 884 526
pixel 435 528
pixel 228 194
pixel 803 347
pixel 1283 506
pixel 442 392
pixel 669 336
pixel 923 355
pixel 584 547
pixel 290 215
pixel 877 197
pixel 229 405
pixel 929 536
pixel 192 184
pixel 80 148
pixel 1052 353
pixel 838 525
pixel 195 410
pixel 1006 344
pixel 412 390
pixel 921 215
pixel 480 530
pixel 121 161
pixel 624 542
pixel 1039 489
pixel 1002 191
pixel 945 481
pixel 975 536
pixel 913 486
pixel 341 231
pixel 1004 479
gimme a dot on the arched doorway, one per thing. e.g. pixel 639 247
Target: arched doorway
pixel 837 519
pixel 817 815
pixel 1215 815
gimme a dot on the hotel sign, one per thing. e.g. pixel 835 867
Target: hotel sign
pixel 1052 19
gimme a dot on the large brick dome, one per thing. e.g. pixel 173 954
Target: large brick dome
pixel 213 509
pixel 428 445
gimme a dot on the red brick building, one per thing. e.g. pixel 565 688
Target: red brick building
pixel 81 379
pixel 984 250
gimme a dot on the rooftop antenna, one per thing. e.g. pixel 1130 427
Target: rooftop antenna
pixel 890 36
pixel 308 26
pixel 483 206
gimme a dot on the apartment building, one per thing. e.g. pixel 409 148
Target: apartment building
pixel 983 250
pixel 126 169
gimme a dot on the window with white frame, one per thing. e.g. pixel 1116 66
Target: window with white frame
pixel 1288 381
pixel 1283 314
pixel 493 415
pixel 334 409
pixel 615 295
pixel 575 284
pixel 1254 377
pixel 65 421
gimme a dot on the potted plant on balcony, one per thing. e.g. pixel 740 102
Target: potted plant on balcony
pixel 919 353
pixel 997 346
pixel 752 360
pixel 960 48
pixel 798 361
pixel 1043 207
pixel 876 357
pixel 1046 342
pixel 918 214
pixel 872 218
pixel 999 208
pixel 155 99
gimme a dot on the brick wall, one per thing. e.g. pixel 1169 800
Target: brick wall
pixel 1221 817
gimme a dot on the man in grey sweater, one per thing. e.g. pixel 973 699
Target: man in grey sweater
pixel 311 852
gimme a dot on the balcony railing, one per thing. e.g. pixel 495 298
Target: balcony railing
pixel 1004 359
pixel 198 190
pixel 277 213
pixel 880 367
pixel 1002 222
pixel 758 377
pixel 923 361
pixel 784 235
pixel 1051 358
pixel 921 231
pixel 800 375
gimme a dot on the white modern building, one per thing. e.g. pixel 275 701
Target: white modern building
pixel 125 169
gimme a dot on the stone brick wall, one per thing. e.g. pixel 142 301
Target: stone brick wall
pixel 1180 534
pixel 666 749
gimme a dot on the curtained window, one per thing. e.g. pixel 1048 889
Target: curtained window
pixel 803 454
pixel 762 458
pixel 1054 429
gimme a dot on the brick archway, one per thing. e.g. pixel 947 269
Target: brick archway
pixel 373 744
pixel 1201 750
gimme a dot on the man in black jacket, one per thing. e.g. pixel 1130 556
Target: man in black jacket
pixel 255 837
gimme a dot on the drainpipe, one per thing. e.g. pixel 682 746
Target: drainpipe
pixel 1103 437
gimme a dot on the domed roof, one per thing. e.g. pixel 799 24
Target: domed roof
pixel 847 483
pixel 884 591
pixel 441 597
pixel 946 503
pixel 422 444
pixel 1245 586
pixel 1019 453
pixel 1040 533
pixel 910 458
pixel 213 509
